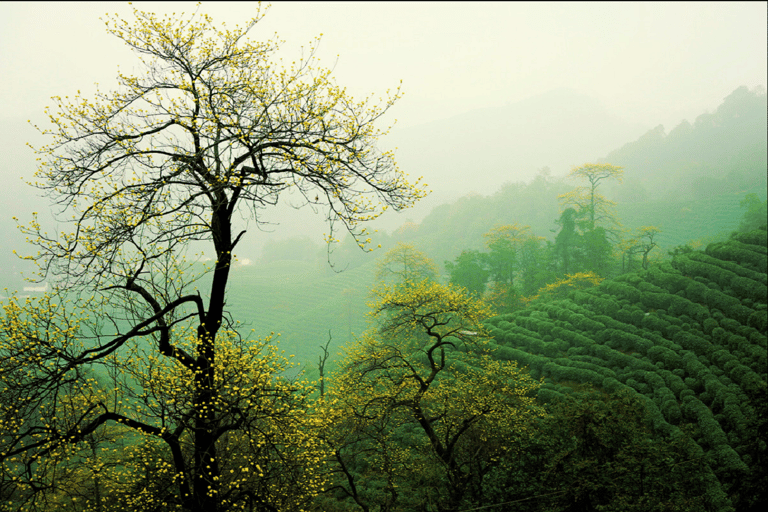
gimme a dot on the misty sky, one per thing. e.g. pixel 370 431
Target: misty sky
pixel 655 62
pixel 647 63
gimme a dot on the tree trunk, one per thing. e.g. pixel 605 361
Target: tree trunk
pixel 207 471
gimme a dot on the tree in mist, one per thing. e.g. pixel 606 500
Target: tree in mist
pixel 421 412
pixel 469 270
pixel 755 215
pixel 511 252
pixel 643 242
pixel 566 241
pixel 208 134
pixel 590 205
pixel 405 264
pixel 595 217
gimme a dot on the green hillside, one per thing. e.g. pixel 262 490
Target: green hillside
pixel 688 337
pixel 721 151
pixel 683 221
pixel 303 302
pixel 689 183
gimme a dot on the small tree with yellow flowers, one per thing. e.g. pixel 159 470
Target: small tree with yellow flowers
pixel 562 287
pixel 111 434
pixel 594 214
pixel 421 410
pixel 587 201
pixel 187 151
pixel 404 263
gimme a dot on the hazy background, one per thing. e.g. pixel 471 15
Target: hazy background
pixel 493 91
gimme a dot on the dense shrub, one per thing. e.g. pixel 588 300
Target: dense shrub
pixel 675 383
pixel 670 358
pixel 653 322
pixel 759 320
pixel 751 256
pixel 694 343
pixel 621 290
pixel 668 278
pixel 758 237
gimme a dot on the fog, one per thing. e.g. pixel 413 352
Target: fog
pixel 492 91
pixel 589 264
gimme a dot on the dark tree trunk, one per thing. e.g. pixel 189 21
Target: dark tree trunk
pixel 207 471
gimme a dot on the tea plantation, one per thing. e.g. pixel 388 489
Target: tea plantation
pixel 688 337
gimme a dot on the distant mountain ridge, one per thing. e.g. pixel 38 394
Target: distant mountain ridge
pixel 482 149
pixel 722 151
pixel 715 161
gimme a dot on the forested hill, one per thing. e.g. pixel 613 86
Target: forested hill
pixel 688 337
pixel 689 183
pixel 722 151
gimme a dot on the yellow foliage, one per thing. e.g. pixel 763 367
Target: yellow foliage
pixel 586 200
pixel 640 242
pixel 425 367
pixel 511 234
pixel 439 311
pixel 209 132
pixel 561 287
pixel 594 173
pixel 213 115
pixel 270 445
pixel 405 263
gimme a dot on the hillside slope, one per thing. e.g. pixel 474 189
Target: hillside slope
pixel 689 336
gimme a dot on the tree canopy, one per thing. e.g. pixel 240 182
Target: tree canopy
pixel 420 406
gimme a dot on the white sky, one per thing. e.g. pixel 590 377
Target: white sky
pixel 655 62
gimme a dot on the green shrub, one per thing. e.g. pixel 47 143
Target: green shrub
pixel 621 290
pixel 694 384
pixel 612 385
pixel 668 278
pixel 604 306
pixel 730 266
pixel 757 237
pixel 675 384
pixel 758 320
pixel 671 330
pixel 638 315
pixel 708 325
pixel 668 357
pixel 653 300
pixel 671 411
pixel 694 343
pixel 751 256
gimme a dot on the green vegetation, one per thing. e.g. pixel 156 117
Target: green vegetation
pixel 592 369
pixel 419 399
pixel 125 387
pixel 688 339
pixel 653 393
